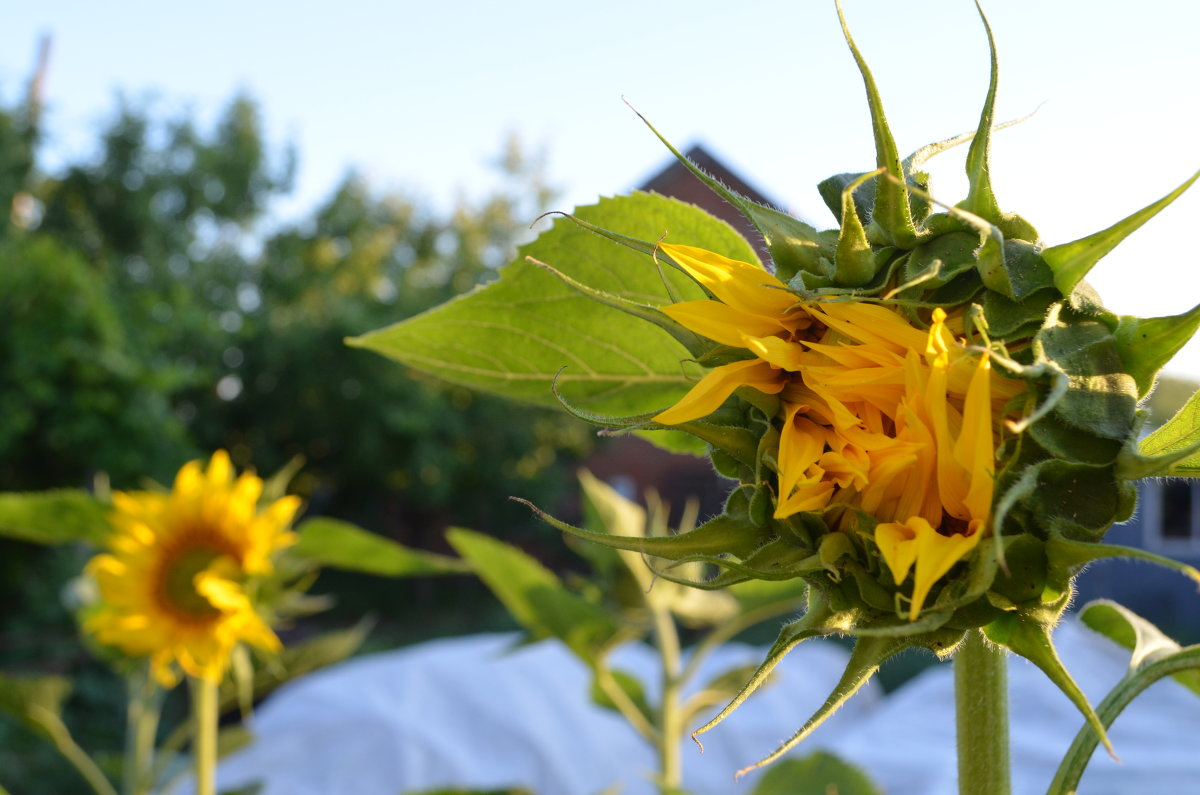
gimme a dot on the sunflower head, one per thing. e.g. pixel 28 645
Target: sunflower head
pixel 929 415
pixel 178 582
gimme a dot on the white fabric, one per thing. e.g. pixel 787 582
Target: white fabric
pixel 473 712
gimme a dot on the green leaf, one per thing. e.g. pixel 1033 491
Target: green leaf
pixel 33 700
pixel 1072 261
pixel 1126 628
pixel 631 685
pixel 819 773
pixel 53 517
pixel 727 533
pixel 332 542
pixel 534 596
pixel 1175 446
pixel 1146 344
pixel 513 336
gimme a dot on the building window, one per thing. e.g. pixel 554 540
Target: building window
pixel 1171 516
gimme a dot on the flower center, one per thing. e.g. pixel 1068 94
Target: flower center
pixel 176 586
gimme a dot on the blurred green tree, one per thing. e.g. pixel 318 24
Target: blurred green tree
pixel 151 311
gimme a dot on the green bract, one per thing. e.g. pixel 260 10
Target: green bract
pixel 577 320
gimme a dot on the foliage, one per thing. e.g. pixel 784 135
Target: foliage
pixel 151 310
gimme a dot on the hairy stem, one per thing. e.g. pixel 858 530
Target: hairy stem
pixel 981 709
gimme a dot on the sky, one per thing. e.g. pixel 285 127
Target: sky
pixel 420 97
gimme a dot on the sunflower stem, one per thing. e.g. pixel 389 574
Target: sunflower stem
pixel 670 710
pixel 981 710
pixel 141 731
pixel 204 740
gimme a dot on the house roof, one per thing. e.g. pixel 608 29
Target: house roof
pixel 677 182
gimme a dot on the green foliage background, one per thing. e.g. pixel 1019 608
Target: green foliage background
pixel 151 311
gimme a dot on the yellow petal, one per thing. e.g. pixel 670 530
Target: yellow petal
pixel 897 545
pixel 915 541
pixel 779 352
pixel 975 448
pixel 717 385
pixel 739 284
pixel 936 554
pixel 721 322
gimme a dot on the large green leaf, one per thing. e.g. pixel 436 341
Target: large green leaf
pixel 53 517
pixel 534 596
pixel 513 336
pixel 1146 641
pixel 332 542
pixel 1176 442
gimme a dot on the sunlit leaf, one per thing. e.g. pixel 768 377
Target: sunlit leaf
pixel 332 542
pixel 53 517
pixel 514 336
pixel 533 595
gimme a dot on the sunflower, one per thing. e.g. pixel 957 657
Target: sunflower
pixel 896 421
pixel 177 582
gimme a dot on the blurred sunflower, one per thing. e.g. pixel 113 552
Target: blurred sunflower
pixel 177 584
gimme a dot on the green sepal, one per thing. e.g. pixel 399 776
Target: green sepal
pixel 891 217
pixel 1009 319
pixel 980 199
pixel 1146 344
pixel 778 560
pixel 696 345
pixel 818 620
pixel 1079 499
pixel 1028 634
pixel 1072 261
pixel 868 654
pixel 1101 398
pixel 1067 443
pixel 854 258
pixel 735 441
pixel 1171 450
pixel 1067 557
pixel 937 262
pixel 794 245
pixel 730 532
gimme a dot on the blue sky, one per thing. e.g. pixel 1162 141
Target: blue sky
pixel 420 96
